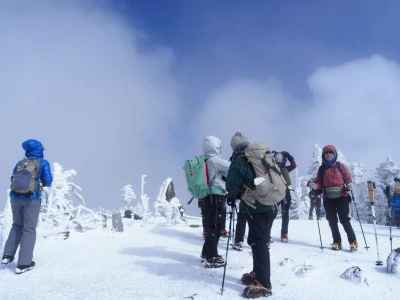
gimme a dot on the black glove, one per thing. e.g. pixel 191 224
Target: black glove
pixel 231 201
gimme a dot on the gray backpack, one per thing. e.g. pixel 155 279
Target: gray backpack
pixel 25 176
pixel 273 189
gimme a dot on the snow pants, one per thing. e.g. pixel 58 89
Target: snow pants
pixel 23 231
pixel 240 227
pixel 213 211
pixel 285 207
pixel 260 225
pixel 339 207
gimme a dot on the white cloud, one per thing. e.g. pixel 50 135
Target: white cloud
pixel 79 79
pixel 354 105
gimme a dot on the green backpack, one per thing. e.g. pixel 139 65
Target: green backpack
pixel 197 176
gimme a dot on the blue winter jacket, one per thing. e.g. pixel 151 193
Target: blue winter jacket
pixel 34 149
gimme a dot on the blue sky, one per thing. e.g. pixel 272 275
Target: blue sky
pixel 122 88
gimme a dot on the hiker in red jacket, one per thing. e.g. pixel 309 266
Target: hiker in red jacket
pixel 334 182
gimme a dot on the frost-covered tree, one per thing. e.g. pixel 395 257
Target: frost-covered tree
pixel 129 196
pixel 145 199
pixel 63 205
pixel 5 221
pixel 167 204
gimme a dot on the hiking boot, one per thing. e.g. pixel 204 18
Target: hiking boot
pixel 248 278
pixel 336 246
pixel 237 246
pixel 214 262
pixel 353 246
pixel 24 268
pixel 256 290
pixel 284 238
pixel 7 259
pixel 220 259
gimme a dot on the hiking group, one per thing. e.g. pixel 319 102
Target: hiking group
pixel 258 178
pixel 255 176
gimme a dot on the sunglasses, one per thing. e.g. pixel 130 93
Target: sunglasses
pixel 331 152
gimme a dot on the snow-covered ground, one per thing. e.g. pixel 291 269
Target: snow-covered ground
pixel 157 262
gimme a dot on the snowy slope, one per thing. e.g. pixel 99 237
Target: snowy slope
pixel 157 262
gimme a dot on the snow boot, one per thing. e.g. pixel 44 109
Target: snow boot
pixel 353 246
pixel 336 246
pixel 284 238
pixel 248 278
pixel 214 262
pixel 24 268
pixel 7 259
pixel 237 246
pixel 256 290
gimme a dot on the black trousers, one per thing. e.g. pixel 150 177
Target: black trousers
pixel 335 208
pixel 213 209
pixel 285 207
pixel 260 225
pixel 315 203
pixel 240 227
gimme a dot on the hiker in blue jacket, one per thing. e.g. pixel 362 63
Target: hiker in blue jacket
pixel 29 176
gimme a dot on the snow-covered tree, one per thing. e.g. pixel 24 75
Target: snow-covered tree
pixel 144 197
pixel 129 196
pixel 63 205
pixel 167 204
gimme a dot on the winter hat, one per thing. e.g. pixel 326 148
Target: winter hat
pixel 238 139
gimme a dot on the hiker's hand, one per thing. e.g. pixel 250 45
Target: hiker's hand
pixel 313 186
pixel 347 187
pixel 231 201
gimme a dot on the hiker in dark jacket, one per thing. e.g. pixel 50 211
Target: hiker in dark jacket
pixel 334 182
pixel 239 144
pixel 287 164
pixel 260 217
pixel 315 203
pixel 26 206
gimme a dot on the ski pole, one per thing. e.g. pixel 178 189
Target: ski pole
pixel 227 248
pixel 378 260
pixel 371 198
pixel 319 232
pixel 358 217
pixel 390 229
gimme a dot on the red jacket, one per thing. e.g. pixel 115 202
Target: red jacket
pixel 336 175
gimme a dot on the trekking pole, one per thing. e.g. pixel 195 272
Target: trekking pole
pixel 371 198
pixel 227 248
pixel 390 229
pixel 319 232
pixel 358 217
pixel 386 191
pixel 233 222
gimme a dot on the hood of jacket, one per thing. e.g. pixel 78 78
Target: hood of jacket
pixel 328 148
pixel 33 148
pixel 212 146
